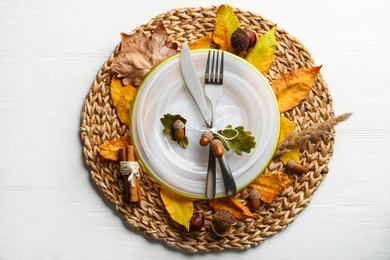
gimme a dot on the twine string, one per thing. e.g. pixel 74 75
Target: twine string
pixel 215 132
pixel 131 169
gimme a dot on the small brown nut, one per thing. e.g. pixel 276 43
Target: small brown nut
pixel 197 221
pixel 243 39
pixel 325 170
pixel 252 36
pixel 296 167
pixel 206 138
pixel 254 197
pixel 222 222
pixel 178 130
pixel 217 148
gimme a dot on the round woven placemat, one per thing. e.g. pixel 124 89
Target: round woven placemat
pixel 99 124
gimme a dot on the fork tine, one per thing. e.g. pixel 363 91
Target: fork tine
pixel 207 72
pixel 221 69
pixel 213 68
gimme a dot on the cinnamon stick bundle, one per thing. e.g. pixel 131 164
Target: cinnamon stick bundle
pixel 132 193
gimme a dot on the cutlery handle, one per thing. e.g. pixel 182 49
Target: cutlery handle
pixel 228 180
pixel 211 173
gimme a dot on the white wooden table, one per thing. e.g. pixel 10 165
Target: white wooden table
pixel 50 52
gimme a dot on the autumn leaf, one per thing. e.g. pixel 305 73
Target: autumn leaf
pixel 226 22
pixel 139 54
pixel 286 126
pixel 167 121
pixel 180 208
pixel 202 43
pixel 234 206
pixel 110 150
pixel 237 139
pixel 292 87
pixel 270 185
pixel 262 54
pixel 122 97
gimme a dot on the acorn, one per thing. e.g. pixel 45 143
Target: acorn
pixel 197 221
pixel 178 130
pixel 222 222
pixel 254 198
pixel 217 148
pixel 206 138
pixel 296 167
pixel 243 39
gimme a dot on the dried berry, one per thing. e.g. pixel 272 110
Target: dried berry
pixel 178 127
pixel 243 39
pixel 197 221
pixel 206 138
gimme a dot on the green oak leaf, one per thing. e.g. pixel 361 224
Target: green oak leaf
pixel 167 122
pixel 243 142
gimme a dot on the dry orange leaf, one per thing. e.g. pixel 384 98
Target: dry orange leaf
pixel 202 43
pixel 286 126
pixel 226 22
pixel 110 150
pixel 139 54
pixel 270 185
pixel 292 87
pixel 180 208
pixel 122 97
pixel 234 206
pixel 262 54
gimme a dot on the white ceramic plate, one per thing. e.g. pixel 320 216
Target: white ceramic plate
pixel 247 101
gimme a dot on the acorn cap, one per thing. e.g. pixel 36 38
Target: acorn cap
pixel 240 40
pixel 215 141
pixel 222 222
pixel 254 194
pixel 209 135
pixel 178 124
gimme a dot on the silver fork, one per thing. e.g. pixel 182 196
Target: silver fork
pixel 214 91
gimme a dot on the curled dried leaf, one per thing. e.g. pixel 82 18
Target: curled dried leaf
pixel 271 185
pixel 262 54
pixel 122 97
pixel 139 54
pixel 202 43
pixel 292 87
pixel 110 150
pixel 234 206
pixel 226 22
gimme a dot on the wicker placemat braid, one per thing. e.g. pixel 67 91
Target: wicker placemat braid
pixel 99 124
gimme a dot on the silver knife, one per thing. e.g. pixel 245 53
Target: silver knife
pixel 193 84
pixel 195 88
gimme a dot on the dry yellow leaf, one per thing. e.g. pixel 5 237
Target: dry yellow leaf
pixel 292 87
pixel 180 208
pixel 262 54
pixel 110 150
pixel 226 22
pixel 234 206
pixel 286 126
pixel 202 43
pixel 270 185
pixel 122 97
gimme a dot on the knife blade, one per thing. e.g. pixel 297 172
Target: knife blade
pixel 193 84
